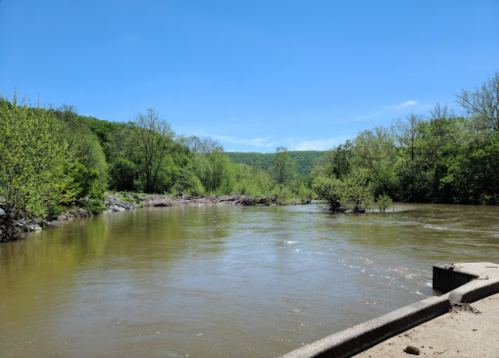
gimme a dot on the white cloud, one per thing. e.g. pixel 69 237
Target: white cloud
pixel 356 119
pixel 319 144
pixel 257 142
pixel 402 105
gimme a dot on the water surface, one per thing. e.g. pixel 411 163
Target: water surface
pixel 224 281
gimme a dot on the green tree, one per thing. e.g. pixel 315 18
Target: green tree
pixel 283 166
pixel 356 192
pixel 328 189
pixel 123 174
pixel 211 165
pixel 374 150
pixel 383 203
pixel 407 135
pixel 88 189
pixel 353 192
pixel 82 142
pixel 325 164
pixel 483 102
pixel 32 161
pixel 153 140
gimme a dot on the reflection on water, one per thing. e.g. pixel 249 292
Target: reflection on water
pixel 223 282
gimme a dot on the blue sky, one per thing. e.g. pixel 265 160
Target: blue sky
pixel 255 74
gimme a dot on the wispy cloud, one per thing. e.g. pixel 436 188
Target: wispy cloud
pixel 257 142
pixel 356 119
pixel 318 144
pixel 380 112
pixel 402 105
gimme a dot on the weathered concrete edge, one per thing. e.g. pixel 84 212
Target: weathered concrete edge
pixel 358 338
pixel 365 335
pixel 474 291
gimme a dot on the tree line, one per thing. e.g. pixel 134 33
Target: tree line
pixel 447 156
pixel 304 160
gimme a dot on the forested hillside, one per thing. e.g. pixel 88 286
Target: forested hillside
pixel 304 160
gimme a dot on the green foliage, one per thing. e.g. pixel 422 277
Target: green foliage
pixel 89 190
pixel 356 192
pixel 32 161
pixel 55 210
pixel 188 183
pixel 374 153
pixel 328 189
pixel 353 192
pixel 304 193
pixel 102 128
pixel 251 181
pixel 212 169
pixel 283 166
pixel 383 203
pixel 122 173
pixel 483 103
pixel 153 139
pixel 443 158
pixel 281 194
pixel 82 142
pixel 217 174
pixel 304 160
pixel 470 174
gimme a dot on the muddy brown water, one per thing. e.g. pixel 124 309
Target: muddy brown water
pixel 224 281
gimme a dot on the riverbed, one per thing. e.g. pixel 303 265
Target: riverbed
pixel 224 281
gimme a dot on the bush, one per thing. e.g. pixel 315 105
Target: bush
pixel 304 193
pixel 55 210
pixel 122 174
pixel 32 161
pixel 384 202
pixel 328 189
pixel 89 191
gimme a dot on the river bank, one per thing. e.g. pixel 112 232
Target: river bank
pixel 119 202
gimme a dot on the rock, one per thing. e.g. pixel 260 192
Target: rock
pixel 162 204
pixel 28 225
pixel 114 204
pixel 2 212
pixel 412 350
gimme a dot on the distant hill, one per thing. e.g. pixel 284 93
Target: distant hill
pixel 304 160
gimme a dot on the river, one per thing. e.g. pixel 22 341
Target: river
pixel 224 281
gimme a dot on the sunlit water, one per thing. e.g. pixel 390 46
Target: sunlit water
pixel 224 281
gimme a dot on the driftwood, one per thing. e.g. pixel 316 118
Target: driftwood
pixel 186 200
pixel 212 200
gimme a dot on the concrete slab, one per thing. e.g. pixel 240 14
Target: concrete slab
pixel 459 334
